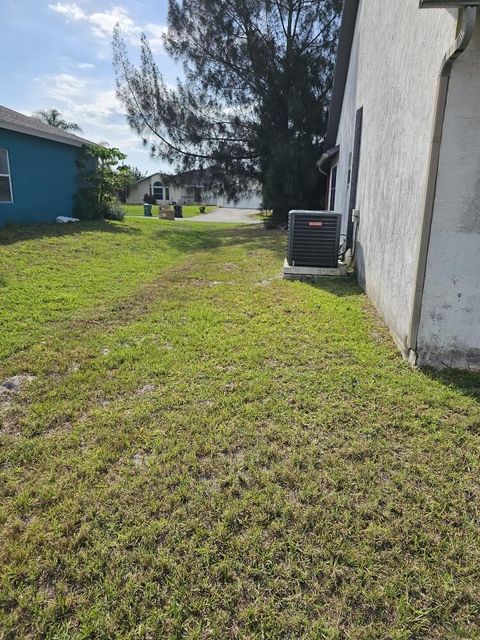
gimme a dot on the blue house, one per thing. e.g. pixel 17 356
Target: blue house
pixel 38 170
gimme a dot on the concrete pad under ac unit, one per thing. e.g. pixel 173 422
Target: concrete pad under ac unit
pixel 312 273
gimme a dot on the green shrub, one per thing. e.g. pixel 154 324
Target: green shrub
pixel 114 211
pixel 99 180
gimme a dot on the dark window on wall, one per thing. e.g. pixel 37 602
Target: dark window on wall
pixel 158 190
pixel 167 193
pixel 5 179
pixel 333 188
pixel 357 147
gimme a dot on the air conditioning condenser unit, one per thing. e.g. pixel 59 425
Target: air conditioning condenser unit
pixel 314 239
pixel 313 246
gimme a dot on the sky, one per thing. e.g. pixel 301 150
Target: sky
pixel 58 54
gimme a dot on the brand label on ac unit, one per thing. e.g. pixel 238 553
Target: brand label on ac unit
pixel 315 224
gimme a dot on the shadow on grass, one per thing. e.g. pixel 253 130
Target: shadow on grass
pixel 11 234
pixel 181 238
pixel 341 286
pixel 465 382
pixel 205 238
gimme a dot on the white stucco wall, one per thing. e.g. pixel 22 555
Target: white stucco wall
pixel 345 136
pixel 137 192
pixel 146 186
pixel 396 58
pixel 450 321
pixel 250 200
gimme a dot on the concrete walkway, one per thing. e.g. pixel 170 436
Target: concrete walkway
pixel 235 216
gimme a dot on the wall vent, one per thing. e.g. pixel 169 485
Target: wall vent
pixel 313 238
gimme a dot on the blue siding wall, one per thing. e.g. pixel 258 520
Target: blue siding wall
pixel 44 178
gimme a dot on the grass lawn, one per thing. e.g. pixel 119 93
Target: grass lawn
pixel 189 210
pixel 208 451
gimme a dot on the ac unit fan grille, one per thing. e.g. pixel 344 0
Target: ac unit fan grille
pixel 314 239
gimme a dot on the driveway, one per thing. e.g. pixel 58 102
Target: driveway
pixel 236 216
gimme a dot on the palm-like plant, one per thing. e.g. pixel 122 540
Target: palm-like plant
pixel 54 118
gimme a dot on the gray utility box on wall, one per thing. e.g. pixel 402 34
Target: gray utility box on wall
pixel 313 238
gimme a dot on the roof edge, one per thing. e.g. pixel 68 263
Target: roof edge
pixel 347 33
pixel 38 133
pixel 327 159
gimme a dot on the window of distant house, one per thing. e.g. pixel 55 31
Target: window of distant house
pixel 333 188
pixel 167 193
pixel 158 190
pixel 5 180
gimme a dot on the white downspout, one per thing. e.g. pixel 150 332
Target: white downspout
pixel 467 21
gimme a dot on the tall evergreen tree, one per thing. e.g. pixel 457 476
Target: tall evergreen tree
pixel 253 102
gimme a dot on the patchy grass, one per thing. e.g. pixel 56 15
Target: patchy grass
pixel 207 451
pixel 189 210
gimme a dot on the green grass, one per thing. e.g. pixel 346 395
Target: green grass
pixel 208 451
pixel 189 210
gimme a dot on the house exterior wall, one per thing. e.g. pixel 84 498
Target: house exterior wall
pixel 187 195
pixel 180 194
pixel 346 136
pixel 137 192
pixel 449 332
pixel 144 186
pixel 250 200
pixel 44 178
pixel 396 56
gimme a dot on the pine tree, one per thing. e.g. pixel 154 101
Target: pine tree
pixel 253 101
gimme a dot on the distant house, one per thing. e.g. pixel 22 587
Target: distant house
pixel 252 199
pixel 38 171
pixel 190 187
pixel 166 190
pixel 403 157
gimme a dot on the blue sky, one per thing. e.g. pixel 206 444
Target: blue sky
pixel 58 54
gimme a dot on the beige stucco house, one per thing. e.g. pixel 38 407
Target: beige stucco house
pixel 165 191
pixel 404 169
pixel 190 189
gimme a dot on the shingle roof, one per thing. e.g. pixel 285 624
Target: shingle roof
pixel 15 121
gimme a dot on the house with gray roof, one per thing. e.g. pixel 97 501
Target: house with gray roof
pixel 191 187
pixel 38 169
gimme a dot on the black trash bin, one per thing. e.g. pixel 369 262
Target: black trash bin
pixel 178 211
pixel 147 210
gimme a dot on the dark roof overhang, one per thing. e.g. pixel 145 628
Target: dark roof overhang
pixel 327 159
pixel 347 32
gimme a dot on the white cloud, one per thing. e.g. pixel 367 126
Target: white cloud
pixel 80 97
pixel 102 23
pixel 63 86
pixel 69 9
pixel 96 110
pixel 85 65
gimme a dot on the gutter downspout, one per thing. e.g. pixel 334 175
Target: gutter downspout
pixel 467 21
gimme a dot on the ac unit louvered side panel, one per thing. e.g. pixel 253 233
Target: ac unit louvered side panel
pixel 314 238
